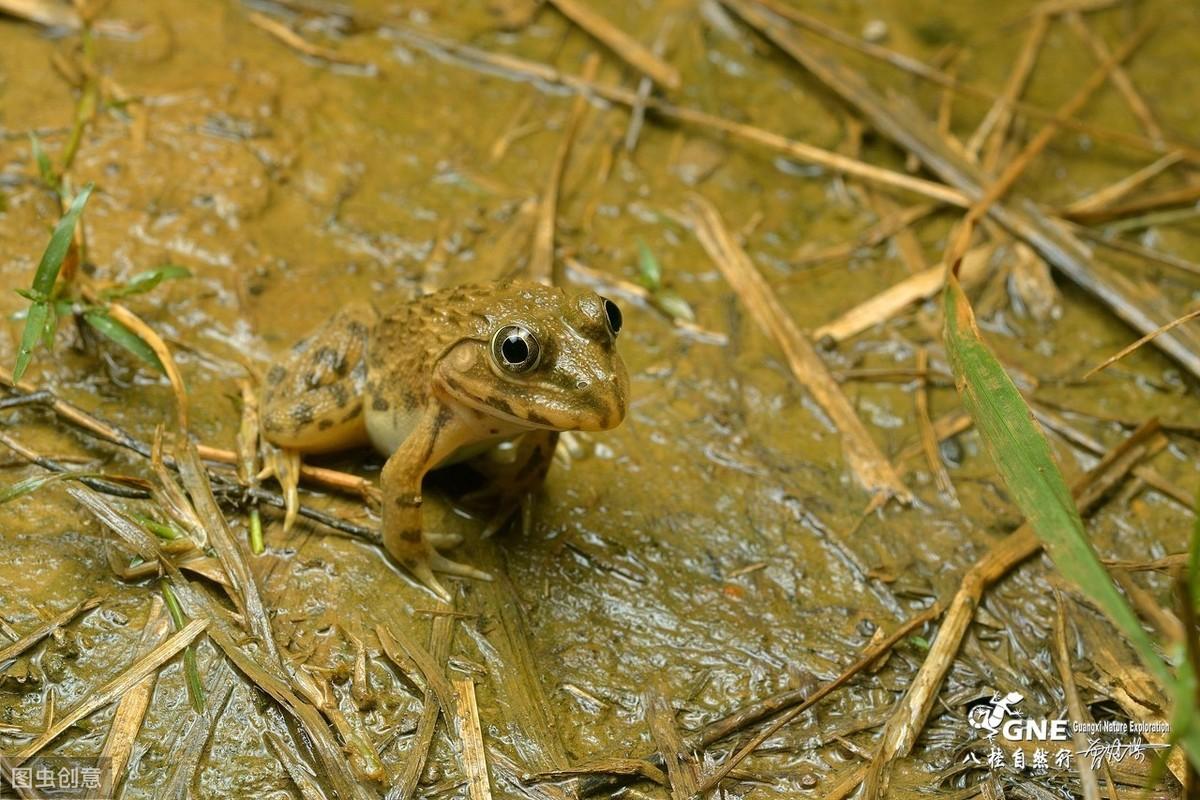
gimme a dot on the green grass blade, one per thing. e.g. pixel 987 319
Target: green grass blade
pixel 45 168
pixel 35 323
pixel 29 485
pixel 43 283
pixel 1023 458
pixel 60 242
pixel 649 270
pixel 117 333
pixel 191 670
pixel 145 281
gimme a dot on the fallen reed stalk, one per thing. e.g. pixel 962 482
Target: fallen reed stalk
pixel 870 467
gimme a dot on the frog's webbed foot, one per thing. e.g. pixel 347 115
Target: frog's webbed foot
pixel 284 465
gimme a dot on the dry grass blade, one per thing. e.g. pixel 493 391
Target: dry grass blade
pixel 114 689
pixel 131 710
pixel 1138 305
pixel 1124 351
pixel 681 767
pixel 634 767
pixel 870 467
pixel 887 226
pixel 297 42
pixel 1184 195
pixel 894 299
pixel 42 12
pixel 268 676
pixel 1114 192
pixel 297 769
pixel 45 629
pixel 1120 78
pixel 541 265
pixel 912 711
pixel 1001 186
pixel 233 561
pixel 435 677
pixel 869 655
pixel 414 764
pixel 926 72
pixel 629 49
pixel 150 336
pixel 194 735
pixel 526 69
pixel 929 441
pixel 466 712
pixel 1146 253
pixel 994 127
pixel 1062 660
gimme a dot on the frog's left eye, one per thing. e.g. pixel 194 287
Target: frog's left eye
pixel 612 314
pixel 515 349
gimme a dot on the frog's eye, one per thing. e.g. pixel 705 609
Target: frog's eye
pixel 516 349
pixel 613 315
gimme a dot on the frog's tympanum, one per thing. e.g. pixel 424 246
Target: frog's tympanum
pixel 443 378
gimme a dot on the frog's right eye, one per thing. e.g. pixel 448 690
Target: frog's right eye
pixel 515 349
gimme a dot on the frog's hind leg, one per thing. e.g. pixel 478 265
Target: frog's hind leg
pixel 312 398
pixel 512 476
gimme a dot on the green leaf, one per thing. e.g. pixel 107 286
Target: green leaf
pixel 45 168
pixel 673 305
pixel 43 282
pixel 35 322
pixel 60 242
pixel 119 334
pixel 195 686
pixel 162 530
pixel 1023 458
pixel 145 281
pixel 649 270
pixel 22 488
pixel 32 296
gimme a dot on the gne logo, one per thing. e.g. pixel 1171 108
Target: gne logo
pixel 999 717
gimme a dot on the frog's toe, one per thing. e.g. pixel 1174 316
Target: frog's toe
pixel 443 564
pixel 442 541
pixel 422 570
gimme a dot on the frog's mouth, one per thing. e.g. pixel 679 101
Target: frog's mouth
pixel 545 416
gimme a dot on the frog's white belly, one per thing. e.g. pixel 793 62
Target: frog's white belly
pixel 388 430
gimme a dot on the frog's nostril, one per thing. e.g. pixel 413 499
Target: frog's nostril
pixel 581 384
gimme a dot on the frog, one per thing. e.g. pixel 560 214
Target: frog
pixel 444 378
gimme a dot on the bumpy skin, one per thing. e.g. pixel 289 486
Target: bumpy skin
pixel 425 385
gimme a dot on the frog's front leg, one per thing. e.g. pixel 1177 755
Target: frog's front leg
pixel 404 535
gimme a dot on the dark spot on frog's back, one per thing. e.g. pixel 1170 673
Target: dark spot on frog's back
pixel 340 395
pixel 379 404
pixel 275 375
pixel 325 424
pixel 357 329
pixel 326 357
pixel 302 414
pixel 538 419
